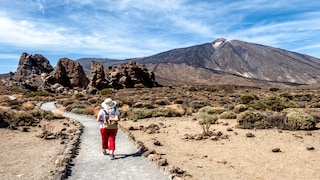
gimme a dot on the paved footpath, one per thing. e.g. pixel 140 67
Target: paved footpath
pixel 90 163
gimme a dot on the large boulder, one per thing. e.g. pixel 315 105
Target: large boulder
pixel 129 75
pixel 98 78
pixel 31 69
pixel 69 74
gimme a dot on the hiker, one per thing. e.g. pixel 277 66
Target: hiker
pixel 108 125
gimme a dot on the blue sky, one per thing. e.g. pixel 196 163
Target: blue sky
pixel 121 29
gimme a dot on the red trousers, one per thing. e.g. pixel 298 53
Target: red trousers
pixel 108 137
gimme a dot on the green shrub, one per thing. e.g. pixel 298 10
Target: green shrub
pixel 140 113
pixel 286 95
pixel 250 119
pixel 77 110
pixel 228 115
pixel 107 91
pixel 40 93
pixel 49 117
pixel 78 95
pixel 205 122
pixel 211 89
pixel 246 98
pixel 139 85
pixel 300 120
pixel 212 110
pixel 274 89
pixel 303 97
pixel 162 111
pixel 240 108
pixel 145 104
pixel 195 105
pixel 74 106
pixel 274 103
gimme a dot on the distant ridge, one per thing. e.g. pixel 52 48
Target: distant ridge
pixel 230 62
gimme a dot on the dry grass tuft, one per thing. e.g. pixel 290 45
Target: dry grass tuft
pixel 27 106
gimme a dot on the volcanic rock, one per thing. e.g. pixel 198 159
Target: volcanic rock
pixel 69 74
pixel 30 71
pixel 98 78
pixel 129 75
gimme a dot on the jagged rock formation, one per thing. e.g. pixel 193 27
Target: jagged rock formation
pixel 31 70
pixel 32 65
pixel 129 75
pixel 68 73
pixel 98 78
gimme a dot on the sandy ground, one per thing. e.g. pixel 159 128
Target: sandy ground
pixel 25 156
pixel 237 156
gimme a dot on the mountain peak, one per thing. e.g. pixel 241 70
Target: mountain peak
pixel 218 42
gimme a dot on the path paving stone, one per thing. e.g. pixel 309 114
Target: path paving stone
pixel 90 163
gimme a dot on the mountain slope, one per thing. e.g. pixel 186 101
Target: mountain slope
pixel 230 62
pixel 241 60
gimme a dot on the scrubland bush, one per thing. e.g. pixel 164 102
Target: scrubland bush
pixel 228 115
pixel 140 113
pixel 4 99
pixel 93 100
pixel 74 106
pixel 38 93
pixel 274 103
pixel 66 102
pixel 6 115
pixel 161 102
pixel 212 110
pixel 139 85
pixel 302 97
pixel 144 104
pixel 124 111
pixel 240 108
pixel 205 122
pixel 24 118
pixel 177 109
pixel 77 110
pixel 78 95
pixel 211 89
pixel 195 105
pixel 286 95
pixel 27 106
pixel 246 98
pixel 274 89
pixel 296 120
pixel 250 119
pixel 178 101
pixel 107 91
pixel 89 110
pixel 162 111
pixel 192 88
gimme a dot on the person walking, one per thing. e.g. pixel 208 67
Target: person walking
pixel 107 118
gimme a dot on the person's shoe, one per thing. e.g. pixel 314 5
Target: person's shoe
pixel 105 152
pixel 112 156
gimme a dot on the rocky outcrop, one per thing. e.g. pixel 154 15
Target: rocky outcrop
pixel 30 71
pixel 68 73
pixel 32 65
pixel 129 75
pixel 98 78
